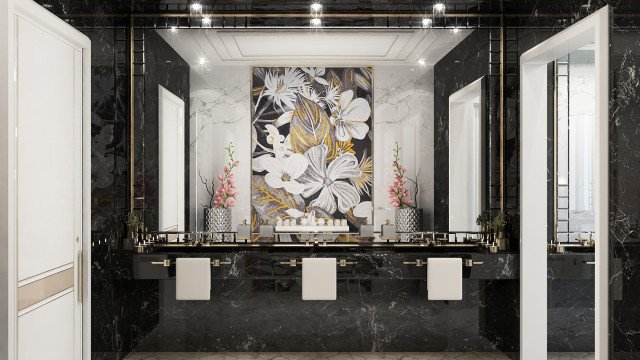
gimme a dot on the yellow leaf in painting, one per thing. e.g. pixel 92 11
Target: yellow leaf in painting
pixel 310 127
pixel 269 203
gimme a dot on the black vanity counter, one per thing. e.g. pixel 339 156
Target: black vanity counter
pixel 381 304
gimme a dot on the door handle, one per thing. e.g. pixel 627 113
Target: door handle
pixel 80 278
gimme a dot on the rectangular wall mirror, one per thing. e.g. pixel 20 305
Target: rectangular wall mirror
pixel 467 156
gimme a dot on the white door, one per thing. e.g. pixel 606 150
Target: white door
pixel 51 96
pixel 171 161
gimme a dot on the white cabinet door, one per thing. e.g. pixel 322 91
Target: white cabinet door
pixel 50 108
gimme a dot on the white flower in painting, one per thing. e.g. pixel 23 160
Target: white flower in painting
pixel 283 149
pixel 350 117
pixel 364 210
pixel 327 180
pixel 315 74
pixel 281 89
pixel 284 172
pixel 273 135
pixel 331 95
pixel 310 94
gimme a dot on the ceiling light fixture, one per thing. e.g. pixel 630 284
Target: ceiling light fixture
pixel 426 22
pixel 195 8
pixel 455 31
pixel 315 22
pixel 206 21
pixel 439 8
pixel 173 30
pixel 202 60
pixel 316 7
pixel 422 63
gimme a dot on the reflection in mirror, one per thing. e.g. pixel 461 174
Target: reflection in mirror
pixel 467 156
pixel 572 161
pixel 574 143
pixel 383 78
pixel 171 119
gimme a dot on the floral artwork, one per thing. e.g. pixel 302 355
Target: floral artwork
pixel 312 141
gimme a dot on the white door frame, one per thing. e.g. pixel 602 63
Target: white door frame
pixel 29 10
pixel 533 180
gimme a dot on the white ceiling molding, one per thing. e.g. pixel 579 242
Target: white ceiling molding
pixel 300 47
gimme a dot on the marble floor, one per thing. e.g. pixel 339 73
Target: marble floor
pixel 343 356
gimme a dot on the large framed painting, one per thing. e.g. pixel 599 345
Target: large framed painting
pixel 312 143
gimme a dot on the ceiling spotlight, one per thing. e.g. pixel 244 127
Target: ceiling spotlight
pixel 316 22
pixel 202 60
pixel 455 31
pixel 426 23
pixel 195 8
pixel 206 21
pixel 439 8
pixel 316 7
pixel 173 30
pixel 422 63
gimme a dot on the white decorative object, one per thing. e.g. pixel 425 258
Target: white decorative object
pixel 304 222
pixel 329 222
pixel 343 222
pixel 287 222
pixel 312 229
pixel 322 222
pixel 279 221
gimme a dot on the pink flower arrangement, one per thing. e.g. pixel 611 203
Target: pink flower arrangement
pixel 398 193
pixel 225 195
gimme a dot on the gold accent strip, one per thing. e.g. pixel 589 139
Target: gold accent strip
pixel 131 117
pixel 37 291
pixel 502 133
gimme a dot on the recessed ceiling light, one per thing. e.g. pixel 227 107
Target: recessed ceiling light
pixel 455 31
pixel 206 21
pixel 439 8
pixel 195 8
pixel 202 60
pixel 173 30
pixel 316 22
pixel 426 23
pixel 48 6
pixel 316 7
pixel 422 63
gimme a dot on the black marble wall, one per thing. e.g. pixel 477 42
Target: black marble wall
pixel 159 65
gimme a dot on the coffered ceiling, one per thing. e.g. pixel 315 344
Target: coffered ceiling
pixel 406 46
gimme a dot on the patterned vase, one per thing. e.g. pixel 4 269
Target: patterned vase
pixel 408 219
pixel 217 220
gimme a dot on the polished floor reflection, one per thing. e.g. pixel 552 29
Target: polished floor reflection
pixel 345 356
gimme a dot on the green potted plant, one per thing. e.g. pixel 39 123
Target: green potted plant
pixel 499 223
pixel 134 224
pixel 484 221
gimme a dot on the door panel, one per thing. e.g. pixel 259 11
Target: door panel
pixel 47 138
pixel 48 178
pixel 50 325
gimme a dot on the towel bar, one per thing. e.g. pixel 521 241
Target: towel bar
pixel 168 262
pixel 296 262
pixel 420 262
